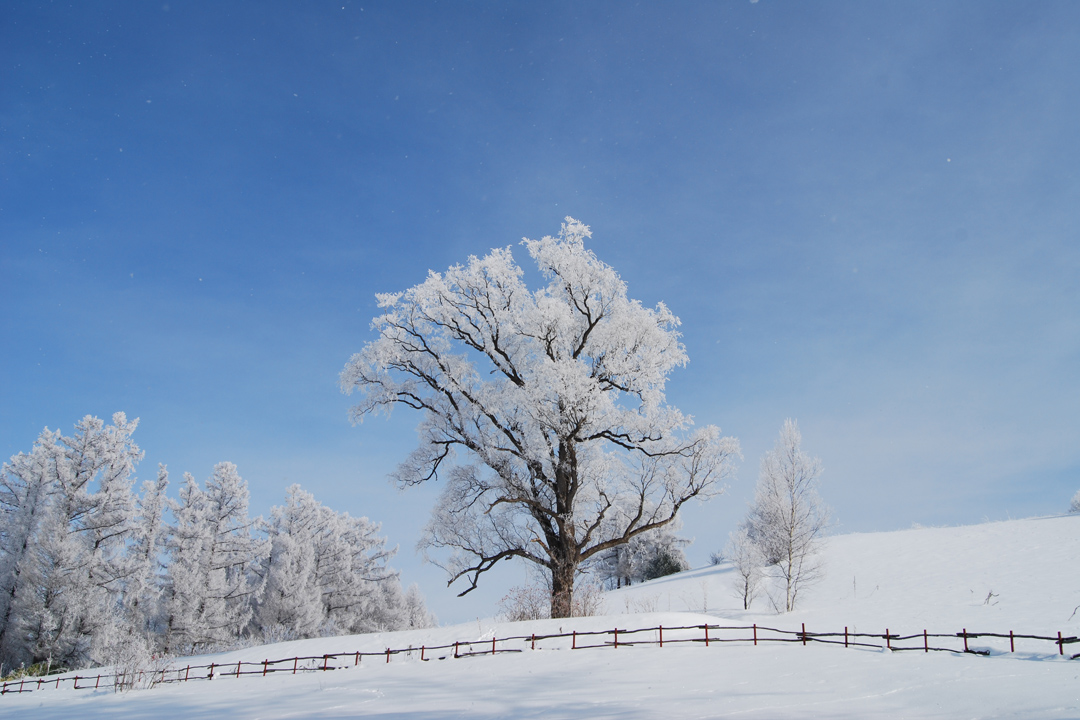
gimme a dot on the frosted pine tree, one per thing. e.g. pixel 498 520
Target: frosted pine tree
pixel 25 501
pixel 186 545
pixel 291 605
pixel 142 589
pixel 211 583
pixel 80 540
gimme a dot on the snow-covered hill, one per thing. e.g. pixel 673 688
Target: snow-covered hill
pixel 1019 575
pixel 1003 575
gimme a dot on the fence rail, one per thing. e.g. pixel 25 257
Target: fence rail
pixel 579 640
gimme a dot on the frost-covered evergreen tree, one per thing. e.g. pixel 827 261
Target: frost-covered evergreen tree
pixel 1075 506
pixel 291 603
pixel 211 582
pixel 142 586
pixel 77 556
pixel 26 484
pixel 327 573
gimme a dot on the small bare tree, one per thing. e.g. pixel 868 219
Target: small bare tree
pixel 747 560
pixel 788 519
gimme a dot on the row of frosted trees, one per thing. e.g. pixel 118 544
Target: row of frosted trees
pixel 92 572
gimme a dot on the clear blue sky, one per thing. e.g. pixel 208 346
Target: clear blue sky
pixel 866 214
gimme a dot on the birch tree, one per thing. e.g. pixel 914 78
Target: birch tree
pixel 788 519
pixel 543 411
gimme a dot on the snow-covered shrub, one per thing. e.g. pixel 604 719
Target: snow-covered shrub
pixel 525 602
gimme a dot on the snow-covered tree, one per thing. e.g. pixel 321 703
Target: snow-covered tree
pixel 291 604
pixel 326 573
pixel 142 587
pixel 647 556
pixel 1075 505
pixel 748 562
pixel 788 520
pixel 68 583
pixel 26 483
pixel 555 400
pixel 211 581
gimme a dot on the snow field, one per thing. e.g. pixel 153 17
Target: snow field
pixel 938 578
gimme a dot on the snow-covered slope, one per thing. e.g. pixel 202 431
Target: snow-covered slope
pixel 1015 575
pixel 937 578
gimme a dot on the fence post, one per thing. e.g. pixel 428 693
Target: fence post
pixel 1061 644
pixel 97 682
pixel 533 641
pixel 76 686
pixel 616 638
pixel 492 644
pixel 925 641
pixel 238 669
pixel 294 661
pixel 357 660
pixel 661 636
pixel 755 634
pixel 804 634
pixel 573 646
pixel 888 639
pixel 387 655
pixel 264 667
pixel 211 671
pixel 421 653
pixel 186 671
pixel 845 636
pixel 1012 645
pixel 325 660
pixel 455 650
pixel 706 626
pixel 965 640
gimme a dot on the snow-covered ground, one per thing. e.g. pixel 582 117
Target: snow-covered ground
pixel 1020 575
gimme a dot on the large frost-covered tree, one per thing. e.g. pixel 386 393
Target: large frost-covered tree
pixel 554 401
pixel 788 519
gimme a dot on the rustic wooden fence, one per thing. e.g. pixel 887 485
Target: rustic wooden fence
pixel 615 638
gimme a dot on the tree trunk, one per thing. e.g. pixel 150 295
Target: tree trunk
pixel 562 591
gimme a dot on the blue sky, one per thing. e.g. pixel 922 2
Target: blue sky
pixel 867 216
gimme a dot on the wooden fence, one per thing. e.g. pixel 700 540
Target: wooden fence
pixel 615 638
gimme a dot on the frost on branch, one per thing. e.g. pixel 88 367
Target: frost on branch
pixel 553 399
